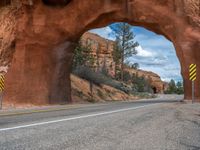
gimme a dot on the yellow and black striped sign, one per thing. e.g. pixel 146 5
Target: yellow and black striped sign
pixel 193 72
pixel 1 83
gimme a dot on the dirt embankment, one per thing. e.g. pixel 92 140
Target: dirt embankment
pixel 81 92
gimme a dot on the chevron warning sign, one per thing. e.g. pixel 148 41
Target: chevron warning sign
pixel 1 83
pixel 193 72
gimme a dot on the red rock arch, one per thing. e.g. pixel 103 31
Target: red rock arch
pixel 47 36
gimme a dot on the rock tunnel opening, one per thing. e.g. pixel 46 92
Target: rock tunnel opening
pixel 156 60
pixel 154 90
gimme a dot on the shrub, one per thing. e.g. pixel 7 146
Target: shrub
pixel 98 78
pixel 140 84
pixel 127 76
pixel 175 88
pixel 100 94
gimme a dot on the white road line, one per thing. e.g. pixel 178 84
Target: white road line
pixel 74 118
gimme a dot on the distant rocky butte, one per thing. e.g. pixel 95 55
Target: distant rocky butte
pixel 102 50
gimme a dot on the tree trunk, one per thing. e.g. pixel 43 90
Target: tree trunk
pixel 122 69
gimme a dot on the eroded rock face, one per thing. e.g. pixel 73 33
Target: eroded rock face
pixel 102 52
pixel 38 29
pixel 7 37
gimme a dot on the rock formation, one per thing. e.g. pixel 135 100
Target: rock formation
pixel 154 80
pixel 43 38
pixel 102 51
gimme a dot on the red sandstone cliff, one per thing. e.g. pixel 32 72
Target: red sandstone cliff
pixel 101 50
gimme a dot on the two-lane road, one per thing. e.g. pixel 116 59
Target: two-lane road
pixel 120 125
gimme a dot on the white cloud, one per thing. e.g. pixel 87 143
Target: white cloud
pixel 144 53
pixel 105 32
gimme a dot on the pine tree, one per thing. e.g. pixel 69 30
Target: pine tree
pixel 179 87
pixel 124 44
pixel 172 87
pixel 135 66
pixel 82 55
pixel 116 57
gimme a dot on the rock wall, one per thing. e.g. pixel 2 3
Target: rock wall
pixel 102 51
pixel 7 36
pixel 45 36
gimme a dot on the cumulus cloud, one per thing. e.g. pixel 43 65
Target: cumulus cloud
pixel 144 53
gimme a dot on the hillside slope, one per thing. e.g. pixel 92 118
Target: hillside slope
pixel 81 92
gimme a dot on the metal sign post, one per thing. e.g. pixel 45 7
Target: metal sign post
pixel 192 75
pixel 1 90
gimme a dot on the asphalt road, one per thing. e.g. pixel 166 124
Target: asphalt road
pixel 151 124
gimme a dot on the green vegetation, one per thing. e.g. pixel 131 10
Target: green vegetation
pixel 134 84
pixel 140 84
pixel 98 78
pixel 175 88
pixel 82 55
pixel 124 45
pixel 100 94
pixel 135 66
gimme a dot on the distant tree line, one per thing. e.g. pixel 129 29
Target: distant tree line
pixel 175 88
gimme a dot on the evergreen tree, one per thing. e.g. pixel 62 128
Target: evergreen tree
pixel 116 57
pixel 82 55
pixel 97 53
pixel 135 66
pixel 140 84
pixel 124 44
pixel 172 87
pixel 179 87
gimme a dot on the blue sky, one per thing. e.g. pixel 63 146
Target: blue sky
pixel 155 53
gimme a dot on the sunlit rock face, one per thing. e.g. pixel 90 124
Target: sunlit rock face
pixel 41 33
pixel 102 52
